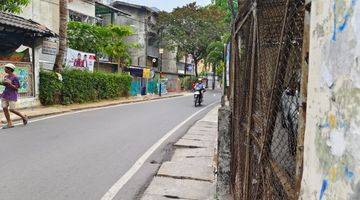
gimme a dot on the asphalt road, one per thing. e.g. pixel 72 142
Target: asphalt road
pixel 79 156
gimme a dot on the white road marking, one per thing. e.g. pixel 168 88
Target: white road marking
pixel 112 192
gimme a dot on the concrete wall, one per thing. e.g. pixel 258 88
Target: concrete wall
pixel 85 7
pixel 136 21
pixel 332 138
pixel 45 12
pixel 169 61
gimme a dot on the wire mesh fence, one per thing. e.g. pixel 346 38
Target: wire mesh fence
pixel 267 50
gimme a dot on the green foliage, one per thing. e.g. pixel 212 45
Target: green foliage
pixel 203 74
pixel 220 69
pixel 191 28
pixel 85 37
pixel 50 88
pixel 186 82
pixel 224 5
pixel 215 53
pixel 13 6
pixel 102 40
pixel 81 86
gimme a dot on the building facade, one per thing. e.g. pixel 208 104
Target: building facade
pixel 46 13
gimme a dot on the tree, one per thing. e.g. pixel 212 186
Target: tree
pixel 215 53
pixel 116 47
pixel 86 37
pixel 191 29
pixel 228 6
pixel 101 40
pixel 215 56
pixel 13 6
pixel 63 8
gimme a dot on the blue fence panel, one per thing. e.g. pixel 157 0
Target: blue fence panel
pixel 135 88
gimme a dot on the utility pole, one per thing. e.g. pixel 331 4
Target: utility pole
pixel 224 76
pixel 214 72
pixel 161 51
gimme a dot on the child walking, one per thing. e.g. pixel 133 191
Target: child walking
pixel 10 95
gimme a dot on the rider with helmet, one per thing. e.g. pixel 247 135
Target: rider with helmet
pixel 199 86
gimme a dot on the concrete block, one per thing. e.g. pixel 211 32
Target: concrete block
pixel 202 137
pixel 159 197
pixel 180 188
pixel 202 161
pixel 193 152
pixel 224 152
pixel 195 169
pixel 194 144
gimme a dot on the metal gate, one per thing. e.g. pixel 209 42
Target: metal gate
pixel 267 63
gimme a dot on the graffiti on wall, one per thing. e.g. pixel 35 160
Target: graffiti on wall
pixel 342 10
pixel 173 84
pixel 23 73
pixel 338 126
pixel 337 132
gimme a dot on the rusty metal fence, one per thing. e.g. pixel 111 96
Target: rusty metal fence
pixel 267 60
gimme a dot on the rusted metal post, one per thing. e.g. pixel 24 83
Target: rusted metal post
pixel 303 100
pixel 250 106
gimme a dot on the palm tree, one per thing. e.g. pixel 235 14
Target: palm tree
pixel 62 35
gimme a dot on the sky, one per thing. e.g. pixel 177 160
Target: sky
pixel 167 5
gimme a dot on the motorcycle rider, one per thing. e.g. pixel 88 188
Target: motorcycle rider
pixel 199 86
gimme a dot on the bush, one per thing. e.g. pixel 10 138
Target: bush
pixel 50 88
pixel 80 86
pixel 186 82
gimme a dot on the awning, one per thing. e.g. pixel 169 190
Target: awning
pixel 16 31
pixel 139 72
pixel 10 21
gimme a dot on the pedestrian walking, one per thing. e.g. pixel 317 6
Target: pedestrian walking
pixel 10 95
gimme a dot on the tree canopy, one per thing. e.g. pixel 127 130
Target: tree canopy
pixel 191 29
pixel 101 40
pixel 228 6
pixel 13 6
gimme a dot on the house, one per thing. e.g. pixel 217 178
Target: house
pixel 36 28
pixel 23 43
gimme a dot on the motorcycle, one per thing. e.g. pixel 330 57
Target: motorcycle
pixel 198 99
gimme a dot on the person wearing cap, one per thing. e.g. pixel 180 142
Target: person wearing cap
pixel 10 95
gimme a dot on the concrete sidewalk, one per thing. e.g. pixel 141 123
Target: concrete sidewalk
pixel 190 174
pixel 59 109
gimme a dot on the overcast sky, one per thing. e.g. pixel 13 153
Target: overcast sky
pixel 167 5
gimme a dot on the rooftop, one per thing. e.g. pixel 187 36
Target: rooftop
pixel 102 8
pixel 10 20
pixel 121 3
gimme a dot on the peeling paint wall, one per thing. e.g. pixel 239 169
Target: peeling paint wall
pixel 332 138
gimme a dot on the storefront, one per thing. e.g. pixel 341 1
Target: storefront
pixel 21 44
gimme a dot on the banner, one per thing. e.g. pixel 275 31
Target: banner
pixel 80 60
pixel 146 73
pixel 228 65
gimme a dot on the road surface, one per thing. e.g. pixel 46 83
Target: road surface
pixel 81 155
